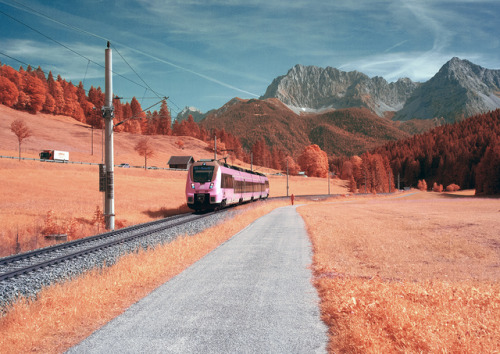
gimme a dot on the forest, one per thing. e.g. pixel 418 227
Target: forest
pixel 465 154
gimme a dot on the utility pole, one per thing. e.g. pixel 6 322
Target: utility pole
pixel 108 114
pixel 389 181
pixel 287 177
pixel 92 141
pixel 215 147
pixel 328 179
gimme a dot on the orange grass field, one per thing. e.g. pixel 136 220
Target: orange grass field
pixel 412 273
pixel 31 189
pixel 65 314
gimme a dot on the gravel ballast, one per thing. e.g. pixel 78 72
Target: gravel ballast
pixel 29 285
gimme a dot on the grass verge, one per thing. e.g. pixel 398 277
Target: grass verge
pixel 64 314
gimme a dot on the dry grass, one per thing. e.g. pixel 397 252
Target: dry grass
pixel 65 314
pixel 416 274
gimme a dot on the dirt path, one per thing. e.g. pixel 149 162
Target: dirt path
pixel 252 294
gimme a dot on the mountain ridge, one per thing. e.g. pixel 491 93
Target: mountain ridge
pixel 471 88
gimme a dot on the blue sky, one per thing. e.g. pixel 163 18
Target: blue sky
pixel 203 53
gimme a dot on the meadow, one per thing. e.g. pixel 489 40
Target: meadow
pixel 417 273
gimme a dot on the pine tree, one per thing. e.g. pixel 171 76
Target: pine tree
pixel 164 120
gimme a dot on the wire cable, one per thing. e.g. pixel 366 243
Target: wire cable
pixel 68 48
pixel 206 77
pixel 131 68
pixel 8 56
pixel 30 9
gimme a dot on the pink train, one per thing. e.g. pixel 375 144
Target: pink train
pixel 211 184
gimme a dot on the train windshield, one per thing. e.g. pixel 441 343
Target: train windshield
pixel 203 174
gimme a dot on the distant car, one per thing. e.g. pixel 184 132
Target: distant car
pixel 153 168
pixel 124 165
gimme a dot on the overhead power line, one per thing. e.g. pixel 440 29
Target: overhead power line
pixel 77 53
pixel 20 61
pixel 151 56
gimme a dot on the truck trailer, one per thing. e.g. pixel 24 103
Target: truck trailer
pixel 55 155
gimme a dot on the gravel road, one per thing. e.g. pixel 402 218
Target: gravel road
pixel 253 294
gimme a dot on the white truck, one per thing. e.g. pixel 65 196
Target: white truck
pixel 55 155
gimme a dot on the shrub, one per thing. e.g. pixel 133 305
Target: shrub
pixel 453 188
pixel 437 187
pixel 50 227
pixel 422 185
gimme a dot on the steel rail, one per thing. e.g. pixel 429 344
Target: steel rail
pixel 95 248
pixel 74 243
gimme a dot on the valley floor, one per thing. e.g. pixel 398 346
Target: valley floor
pixel 413 272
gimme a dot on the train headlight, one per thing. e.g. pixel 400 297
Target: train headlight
pixel 211 185
pixel 192 185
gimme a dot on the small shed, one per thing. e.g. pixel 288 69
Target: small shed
pixel 180 162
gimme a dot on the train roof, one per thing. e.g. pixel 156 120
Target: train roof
pixel 233 167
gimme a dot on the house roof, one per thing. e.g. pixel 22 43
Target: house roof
pixel 180 160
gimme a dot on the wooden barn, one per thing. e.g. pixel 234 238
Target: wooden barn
pixel 180 162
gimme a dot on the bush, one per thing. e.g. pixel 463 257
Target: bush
pixel 453 188
pixel 437 187
pixel 422 185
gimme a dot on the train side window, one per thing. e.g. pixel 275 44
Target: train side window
pixel 227 181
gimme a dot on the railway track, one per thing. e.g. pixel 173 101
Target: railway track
pixel 22 265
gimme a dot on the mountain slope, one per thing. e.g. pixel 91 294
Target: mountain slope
pixel 251 120
pixel 187 111
pixel 346 131
pixel 314 88
pixel 460 89
pixel 352 131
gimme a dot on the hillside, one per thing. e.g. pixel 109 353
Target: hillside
pixel 342 132
pixel 65 133
pixel 352 131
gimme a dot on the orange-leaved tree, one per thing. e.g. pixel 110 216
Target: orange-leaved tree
pixel 488 171
pixel 21 130
pixel 422 185
pixel 291 165
pixel 314 161
pixel 145 148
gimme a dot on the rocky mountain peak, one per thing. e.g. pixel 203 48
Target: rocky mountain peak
pixel 195 112
pixel 306 88
pixel 459 89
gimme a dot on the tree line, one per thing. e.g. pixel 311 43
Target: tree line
pixel 31 91
pixel 466 154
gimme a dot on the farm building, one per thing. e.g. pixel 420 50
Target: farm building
pixel 180 162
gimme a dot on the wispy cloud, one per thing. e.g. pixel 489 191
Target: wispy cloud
pixel 239 46
pixel 54 57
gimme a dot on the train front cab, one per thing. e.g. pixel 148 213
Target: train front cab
pixel 203 185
